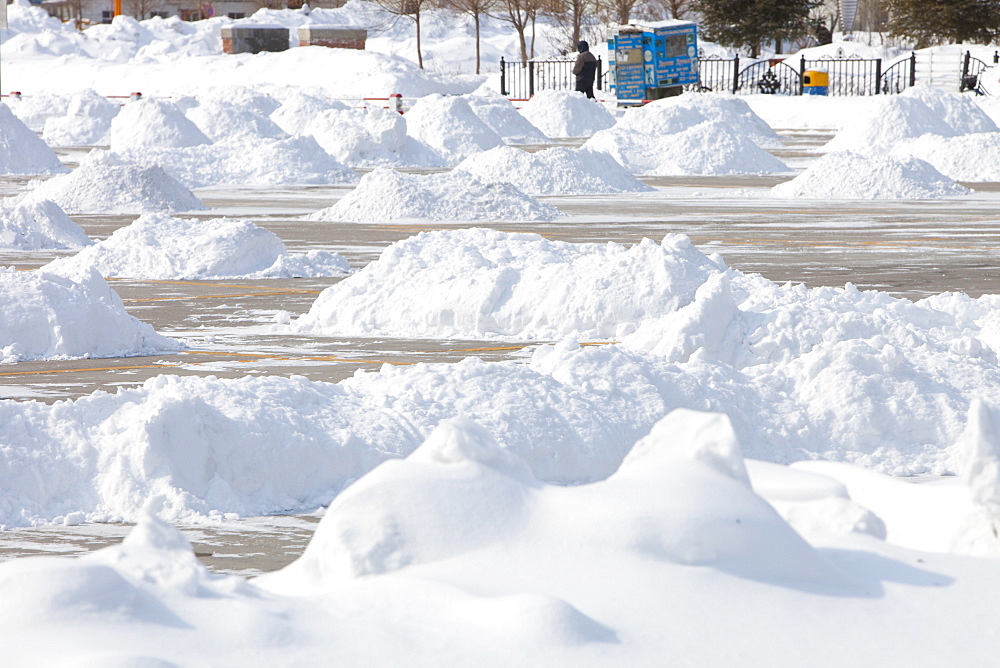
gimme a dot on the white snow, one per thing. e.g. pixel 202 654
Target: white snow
pixel 500 115
pixel 970 157
pixel 371 137
pixel 22 151
pixel 77 315
pixel 385 195
pixel 87 121
pixel 554 171
pixel 451 127
pixel 849 175
pixel 149 123
pixel 157 246
pixel 561 114
pixel 104 183
pixel 38 225
pixel 299 108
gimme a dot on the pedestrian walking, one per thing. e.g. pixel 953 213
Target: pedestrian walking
pixel 585 69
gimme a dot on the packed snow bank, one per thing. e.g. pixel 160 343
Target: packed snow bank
pixel 388 196
pixel 299 108
pixel 104 183
pixel 500 115
pixel 451 127
pixel 160 247
pixel 371 137
pixel 482 283
pixel 53 316
pixel 970 157
pixel 915 112
pixel 87 121
pixel 22 151
pixel 676 114
pixel 224 120
pixel 264 162
pixel 711 147
pixel 848 175
pixel 38 225
pixel 566 114
pixel 554 171
pixel 150 123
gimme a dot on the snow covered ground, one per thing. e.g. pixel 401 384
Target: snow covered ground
pixel 725 477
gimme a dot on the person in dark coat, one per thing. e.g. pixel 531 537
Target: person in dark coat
pixel 585 69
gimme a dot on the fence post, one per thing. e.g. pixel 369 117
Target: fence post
pixel 531 78
pixel 878 76
pixel 965 71
pixel 736 74
pixel 503 77
pixel 996 57
pixel 913 69
pixel 600 72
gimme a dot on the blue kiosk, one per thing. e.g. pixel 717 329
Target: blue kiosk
pixel 653 60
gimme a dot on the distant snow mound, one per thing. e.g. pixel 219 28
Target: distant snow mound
pixel 87 121
pixel 270 162
pixel 38 225
pixel 676 114
pixel 499 113
pixel 372 137
pixel 299 108
pixel 970 157
pixel 917 111
pixel 226 121
pixel 479 283
pixel 560 114
pixel 157 246
pixel 385 195
pixel 554 171
pixel 104 183
pixel 50 316
pixel 35 110
pixel 450 127
pixel 22 151
pixel 847 175
pixel 711 147
pixel 151 123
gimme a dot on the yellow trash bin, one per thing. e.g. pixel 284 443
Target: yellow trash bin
pixel 815 82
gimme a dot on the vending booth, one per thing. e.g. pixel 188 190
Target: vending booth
pixel 650 61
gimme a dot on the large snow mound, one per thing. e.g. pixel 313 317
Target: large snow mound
pixel 849 175
pixel 917 111
pixel 151 123
pixel 49 316
pixel 104 183
pixel 712 147
pixel 451 127
pixel 298 108
pixel 970 157
pixel 554 171
pixel 224 120
pixel 157 246
pixel 22 151
pixel 370 137
pixel 385 195
pixel 37 225
pixel 482 283
pixel 265 162
pixel 87 121
pixel 561 114
pixel 502 117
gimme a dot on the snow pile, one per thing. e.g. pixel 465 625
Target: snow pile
pixel 500 115
pixel 482 283
pixel 915 112
pixel 49 316
pixel 711 147
pixel 87 121
pixel 38 225
pixel 299 108
pixel 149 123
pixel 22 151
pixel 157 246
pixel 566 114
pixel 265 162
pixel 450 126
pixel 370 137
pixel 385 195
pixel 970 157
pixel 676 114
pixel 554 171
pixel 35 110
pixel 848 175
pixel 104 183
pixel 223 120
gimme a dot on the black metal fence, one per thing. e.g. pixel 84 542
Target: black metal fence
pixel 521 81
pixel 847 76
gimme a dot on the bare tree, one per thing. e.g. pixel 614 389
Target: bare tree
pixel 676 8
pixel 139 9
pixel 519 13
pixel 476 9
pixel 410 9
pixel 620 10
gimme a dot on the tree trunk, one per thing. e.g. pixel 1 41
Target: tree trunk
pixel 420 54
pixel 477 42
pixel 524 45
